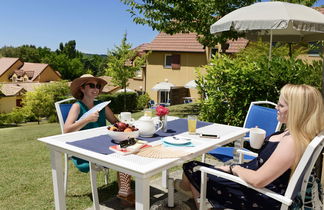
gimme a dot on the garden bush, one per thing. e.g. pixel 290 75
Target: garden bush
pixel 142 101
pixel 117 101
pixel 232 83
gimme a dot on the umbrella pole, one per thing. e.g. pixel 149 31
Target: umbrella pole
pixel 323 70
pixel 270 49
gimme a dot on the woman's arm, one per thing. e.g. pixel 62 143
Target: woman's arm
pixel 110 115
pixel 280 161
pixel 71 124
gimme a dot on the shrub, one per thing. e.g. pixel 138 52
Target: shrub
pixel 142 101
pixel 117 101
pixel 231 84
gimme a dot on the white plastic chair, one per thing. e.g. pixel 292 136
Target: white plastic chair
pixel 297 183
pixel 62 110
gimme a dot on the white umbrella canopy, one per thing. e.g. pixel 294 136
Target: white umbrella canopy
pixel 127 90
pixel 191 84
pixel 162 86
pixel 274 21
pixel 286 22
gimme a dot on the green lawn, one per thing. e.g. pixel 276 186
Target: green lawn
pixel 25 175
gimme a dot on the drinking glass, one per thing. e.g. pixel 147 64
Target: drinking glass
pixel 192 124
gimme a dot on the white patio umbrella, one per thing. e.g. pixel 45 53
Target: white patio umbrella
pixel 191 84
pixel 162 86
pixel 274 21
pixel 127 90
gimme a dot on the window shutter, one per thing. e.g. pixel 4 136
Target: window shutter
pixel 175 62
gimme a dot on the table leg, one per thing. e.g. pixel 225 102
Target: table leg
pixel 93 178
pixel 164 179
pixel 142 193
pixel 57 175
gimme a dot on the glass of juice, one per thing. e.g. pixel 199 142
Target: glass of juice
pixel 148 112
pixel 192 124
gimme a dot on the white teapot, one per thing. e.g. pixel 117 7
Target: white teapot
pixel 147 126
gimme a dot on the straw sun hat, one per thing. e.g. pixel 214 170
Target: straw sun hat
pixel 78 82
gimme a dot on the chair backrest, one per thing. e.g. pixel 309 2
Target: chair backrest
pixel 62 110
pixel 262 117
pixel 299 179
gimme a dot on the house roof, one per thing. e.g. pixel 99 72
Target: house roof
pixel 11 89
pixel 6 63
pixel 180 42
pixel 37 68
pixel 109 87
pixel 236 46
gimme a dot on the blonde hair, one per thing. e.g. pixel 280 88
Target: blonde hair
pixel 305 115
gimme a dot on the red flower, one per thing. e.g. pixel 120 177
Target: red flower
pixel 161 111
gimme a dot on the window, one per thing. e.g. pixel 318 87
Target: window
pixel 164 96
pixel 168 61
pixel 172 61
pixel 138 73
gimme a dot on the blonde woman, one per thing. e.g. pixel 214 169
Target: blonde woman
pixel 300 107
pixel 85 89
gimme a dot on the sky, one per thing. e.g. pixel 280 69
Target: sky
pixel 96 25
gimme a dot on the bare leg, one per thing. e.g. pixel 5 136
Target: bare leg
pixel 124 185
pixel 185 184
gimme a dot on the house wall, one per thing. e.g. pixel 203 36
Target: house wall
pixel 8 103
pixel 5 77
pixel 155 71
pixel 48 74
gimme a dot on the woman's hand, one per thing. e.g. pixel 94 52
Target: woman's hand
pixel 224 168
pixel 93 117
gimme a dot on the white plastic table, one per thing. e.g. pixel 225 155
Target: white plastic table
pixel 141 168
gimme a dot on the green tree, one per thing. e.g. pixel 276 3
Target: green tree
pixel 40 102
pixel 174 16
pixel 231 83
pixel 123 64
pixel 68 68
pixel 69 49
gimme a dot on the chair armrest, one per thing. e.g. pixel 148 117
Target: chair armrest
pixel 245 152
pixel 203 187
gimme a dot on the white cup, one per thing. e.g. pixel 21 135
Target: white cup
pixel 257 136
pixel 126 117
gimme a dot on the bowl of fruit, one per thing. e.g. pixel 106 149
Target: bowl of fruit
pixel 122 131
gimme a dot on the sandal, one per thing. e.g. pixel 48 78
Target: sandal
pixel 128 201
pixel 177 186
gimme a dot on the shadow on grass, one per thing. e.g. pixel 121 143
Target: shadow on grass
pixel 9 125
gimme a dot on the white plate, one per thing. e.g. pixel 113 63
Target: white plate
pixel 176 140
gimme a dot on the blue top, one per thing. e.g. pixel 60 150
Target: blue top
pixel 83 165
pixel 102 116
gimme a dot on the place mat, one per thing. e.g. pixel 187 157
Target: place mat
pixel 160 152
pixel 101 144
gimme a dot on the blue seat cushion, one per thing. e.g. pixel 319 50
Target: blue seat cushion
pixel 82 165
pixel 226 153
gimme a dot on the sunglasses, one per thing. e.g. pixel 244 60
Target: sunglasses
pixel 127 143
pixel 91 85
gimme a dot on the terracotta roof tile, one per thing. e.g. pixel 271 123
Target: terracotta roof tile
pixel 6 63
pixel 236 46
pixel 11 89
pixel 180 42
pixel 37 68
pixel 110 86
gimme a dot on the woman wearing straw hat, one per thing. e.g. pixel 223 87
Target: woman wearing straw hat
pixel 85 89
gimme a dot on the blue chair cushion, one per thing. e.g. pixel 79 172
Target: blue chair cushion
pixel 82 165
pixel 226 153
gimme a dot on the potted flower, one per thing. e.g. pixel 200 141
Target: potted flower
pixel 163 112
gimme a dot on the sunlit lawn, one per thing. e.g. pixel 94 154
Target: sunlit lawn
pixel 25 175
